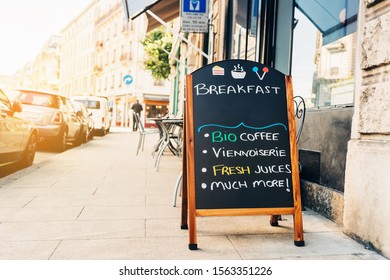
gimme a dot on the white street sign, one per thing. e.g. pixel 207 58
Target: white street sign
pixel 194 16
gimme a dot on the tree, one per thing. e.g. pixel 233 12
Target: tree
pixel 157 46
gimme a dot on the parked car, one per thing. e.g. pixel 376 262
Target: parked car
pixel 18 137
pixel 54 116
pixel 101 113
pixel 86 121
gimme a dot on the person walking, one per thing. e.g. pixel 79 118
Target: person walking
pixel 137 109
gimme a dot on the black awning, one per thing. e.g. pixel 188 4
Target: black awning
pixel 134 8
pixel 335 19
pixel 166 10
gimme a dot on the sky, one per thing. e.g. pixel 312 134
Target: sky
pixel 26 25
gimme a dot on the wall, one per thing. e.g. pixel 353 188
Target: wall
pixel 367 186
pixel 327 133
pixel 323 152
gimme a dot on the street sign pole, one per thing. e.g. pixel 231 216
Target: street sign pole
pixel 128 80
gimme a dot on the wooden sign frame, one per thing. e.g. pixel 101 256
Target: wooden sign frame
pixel 189 211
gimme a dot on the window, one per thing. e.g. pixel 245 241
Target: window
pixel 130 50
pixel 4 102
pixel 323 73
pixel 333 21
pixel 159 82
pixel 242 44
pixel 120 81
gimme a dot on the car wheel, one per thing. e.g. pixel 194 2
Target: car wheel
pixel 90 135
pixel 86 136
pixel 62 141
pixel 79 139
pixel 83 137
pixel 29 153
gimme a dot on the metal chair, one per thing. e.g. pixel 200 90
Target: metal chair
pixel 171 139
pixel 300 113
pixel 143 132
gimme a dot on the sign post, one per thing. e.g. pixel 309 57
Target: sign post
pixel 128 80
pixel 241 154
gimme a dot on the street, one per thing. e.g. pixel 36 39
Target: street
pixel 41 156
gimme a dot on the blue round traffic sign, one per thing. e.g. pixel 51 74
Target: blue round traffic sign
pixel 128 79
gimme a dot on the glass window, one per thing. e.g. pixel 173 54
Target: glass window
pixel 130 50
pixel 335 20
pixel 38 99
pixel 155 111
pixel 244 29
pixel 4 102
pixel 90 104
pixel 322 73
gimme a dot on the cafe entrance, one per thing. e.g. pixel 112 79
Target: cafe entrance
pixel 154 109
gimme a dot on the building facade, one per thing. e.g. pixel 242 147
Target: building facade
pixel 99 48
pixel 367 188
pixel 43 72
pixel 78 54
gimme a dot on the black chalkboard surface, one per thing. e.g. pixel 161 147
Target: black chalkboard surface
pixel 241 137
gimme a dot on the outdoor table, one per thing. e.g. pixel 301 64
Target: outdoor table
pixel 170 136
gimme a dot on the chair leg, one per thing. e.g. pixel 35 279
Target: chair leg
pixel 274 220
pixel 157 146
pixel 139 143
pixel 143 142
pixel 141 136
pixel 177 187
pixel 160 152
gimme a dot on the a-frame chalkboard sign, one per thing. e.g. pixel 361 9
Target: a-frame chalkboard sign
pixel 240 153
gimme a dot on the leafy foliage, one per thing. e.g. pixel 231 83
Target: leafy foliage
pixel 157 60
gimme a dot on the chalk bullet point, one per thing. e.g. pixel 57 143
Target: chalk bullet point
pixel 204 170
pixel 204 186
pixel 206 135
pixel 205 151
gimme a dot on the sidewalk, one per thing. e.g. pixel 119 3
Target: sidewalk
pixel 101 201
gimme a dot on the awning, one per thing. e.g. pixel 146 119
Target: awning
pixel 156 97
pixel 166 10
pixel 159 12
pixel 335 19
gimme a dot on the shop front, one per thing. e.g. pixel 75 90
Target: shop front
pixel 155 107
pixel 121 111
pixel 338 59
